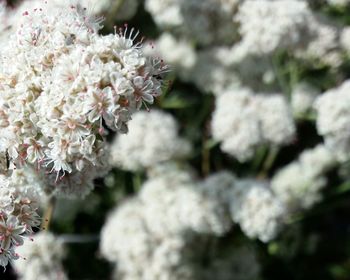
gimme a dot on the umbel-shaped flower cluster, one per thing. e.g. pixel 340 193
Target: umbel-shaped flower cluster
pixel 62 84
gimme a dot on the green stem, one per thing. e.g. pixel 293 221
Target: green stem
pixel 48 214
pixel 270 159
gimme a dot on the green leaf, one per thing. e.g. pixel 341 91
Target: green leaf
pixel 175 101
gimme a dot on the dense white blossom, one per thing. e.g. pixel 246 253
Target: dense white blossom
pixel 166 13
pixel 257 211
pixel 152 139
pixel 61 83
pixel 41 258
pixel 333 119
pixel 299 184
pixel 242 121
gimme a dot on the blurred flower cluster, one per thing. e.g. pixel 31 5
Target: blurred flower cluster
pixel 210 168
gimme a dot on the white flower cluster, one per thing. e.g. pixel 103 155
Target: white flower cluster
pixel 250 203
pixel 266 26
pixel 210 74
pixel 242 121
pixel 254 207
pixel 118 9
pixel 210 20
pixel 266 30
pixel 41 258
pixel 345 39
pixel 178 53
pixel 125 239
pixel 155 235
pixel 324 45
pixel 299 184
pixel 159 226
pixel 175 203
pixel 152 139
pixel 19 203
pixel 62 83
pixel 340 3
pixel 333 119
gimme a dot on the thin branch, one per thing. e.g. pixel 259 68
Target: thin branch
pixel 48 214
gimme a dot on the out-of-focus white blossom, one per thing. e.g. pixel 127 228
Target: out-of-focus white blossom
pixel 152 139
pixel 267 26
pixel 139 254
pixel 175 203
pixel 340 3
pixel 324 45
pixel 299 184
pixel 276 119
pixel 220 69
pixel 345 39
pixel 61 83
pixel 242 121
pixel 303 97
pixel 333 119
pixel 179 53
pixel 112 9
pixel 126 222
pixel 41 258
pixel 210 21
pixel 218 186
pixel 270 26
pixel 209 73
pixel 236 124
pixel 166 13
pixel 254 207
pixel 157 234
